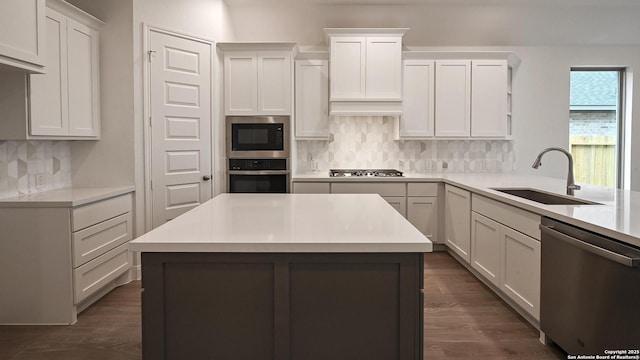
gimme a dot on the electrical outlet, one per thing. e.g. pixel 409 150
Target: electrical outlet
pixel 445 165
pixel 39 181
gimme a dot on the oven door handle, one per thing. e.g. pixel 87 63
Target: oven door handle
pixel 596 250
pixel 258 172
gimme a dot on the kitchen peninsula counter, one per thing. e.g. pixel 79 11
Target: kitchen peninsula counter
pixel 614 215
pixel 284 276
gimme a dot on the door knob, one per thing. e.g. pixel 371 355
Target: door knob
pixel 206 178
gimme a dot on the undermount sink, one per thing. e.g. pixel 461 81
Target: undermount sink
pixel 545 197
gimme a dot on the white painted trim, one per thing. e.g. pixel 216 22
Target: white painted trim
pixel 75 13
pixel 136 272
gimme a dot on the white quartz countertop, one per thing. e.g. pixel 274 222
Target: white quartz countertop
pixel 287 223
pixel 617 216
pixel 69 197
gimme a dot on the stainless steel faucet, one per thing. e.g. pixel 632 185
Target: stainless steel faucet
pixel 571 185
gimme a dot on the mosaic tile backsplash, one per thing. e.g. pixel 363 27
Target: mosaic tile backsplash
pixel 367 142
pixel 22 161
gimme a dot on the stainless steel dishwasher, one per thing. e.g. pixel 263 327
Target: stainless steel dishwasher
pixel 590 291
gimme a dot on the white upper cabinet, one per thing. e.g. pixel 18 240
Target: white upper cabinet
pixel 453 98
pixel 383 65
pixel 49 99
pixel 274 83
pixel 83 75
pixel 418 114
pixel 348 68
pixel 63 103
pixel 366 71
pixel 241 83
pixel 312 99
pixel 489 84
pixel 257 82
pixel 22 35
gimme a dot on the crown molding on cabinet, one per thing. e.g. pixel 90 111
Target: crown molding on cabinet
pixel 73 12
pixel 512 59
pixel 258 46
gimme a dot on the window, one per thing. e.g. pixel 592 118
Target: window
pixel 595 125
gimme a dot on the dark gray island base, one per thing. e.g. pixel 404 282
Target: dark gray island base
pixel 282 306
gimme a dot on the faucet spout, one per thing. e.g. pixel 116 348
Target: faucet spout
pixel 571 185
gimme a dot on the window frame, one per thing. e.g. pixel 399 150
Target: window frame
pixel 620 115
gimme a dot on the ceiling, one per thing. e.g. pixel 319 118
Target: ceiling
pixel 598 3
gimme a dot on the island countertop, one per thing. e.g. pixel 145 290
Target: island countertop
pixel 301 223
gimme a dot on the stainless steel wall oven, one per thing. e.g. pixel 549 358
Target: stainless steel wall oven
pixel 258 176
pixel 258 154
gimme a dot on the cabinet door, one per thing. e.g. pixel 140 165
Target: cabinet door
pixel 422 212
pixel 312 99
pixel 417 119
pixel 348 68
pixel 22 34
pixel 240 83
pixel 489 98
pixel 311 188
pixel 485 247
pixel 383 68
pixel 457 207
pixel 399 203
pixel 274 83
pixel 453 103
pixel 49 112
pixel 520 270
pixel 83 74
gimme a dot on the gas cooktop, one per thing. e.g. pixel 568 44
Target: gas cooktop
pixel 365 173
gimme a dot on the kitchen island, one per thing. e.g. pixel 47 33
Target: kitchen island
pixel 284 276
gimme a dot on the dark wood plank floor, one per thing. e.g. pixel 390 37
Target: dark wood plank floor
pixel 463 320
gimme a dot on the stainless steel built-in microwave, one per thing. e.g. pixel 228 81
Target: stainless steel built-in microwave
pixel 257 136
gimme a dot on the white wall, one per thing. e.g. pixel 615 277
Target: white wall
pixel 444 22
pixel 541 102
pixel 110 162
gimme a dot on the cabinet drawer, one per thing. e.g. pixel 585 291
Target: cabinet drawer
pixel 513 217
pixel 388 189
pixel 87 215
pixel 98 272
pixel 95 240
pixel 311 188
pixel 422 189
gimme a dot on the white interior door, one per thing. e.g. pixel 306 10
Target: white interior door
pixel 180 106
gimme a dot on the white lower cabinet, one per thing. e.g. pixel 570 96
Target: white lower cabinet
pixel 520 270
pixel 457 205
pixel 509 259
pixel 423 208
pixel 311 188
pixel 51 272
pixel 399 203
pixel 394 193
pixel 416 201
pixel 485 247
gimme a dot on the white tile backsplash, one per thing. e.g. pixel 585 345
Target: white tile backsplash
pixel 368 142
pixel 21 161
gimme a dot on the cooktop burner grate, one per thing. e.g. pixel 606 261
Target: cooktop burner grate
pixel 365 173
